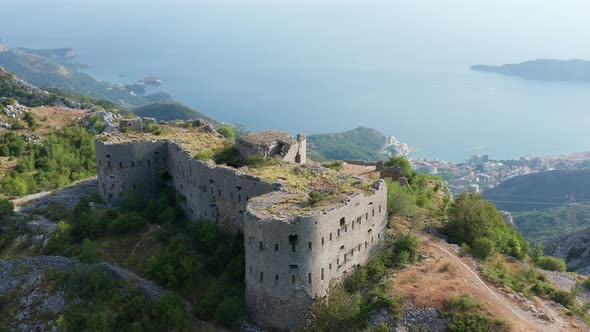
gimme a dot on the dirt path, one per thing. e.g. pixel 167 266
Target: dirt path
pixel 431 282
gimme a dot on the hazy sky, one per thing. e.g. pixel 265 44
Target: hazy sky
pixel 379 34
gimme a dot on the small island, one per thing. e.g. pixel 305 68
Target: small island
pixel 575 70
pixel 151 81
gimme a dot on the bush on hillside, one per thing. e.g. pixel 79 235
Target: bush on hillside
pixel 335 165
pixel 551 263
pixel 472 219
pixel 227 132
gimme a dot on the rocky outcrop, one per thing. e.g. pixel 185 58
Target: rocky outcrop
pixel 393 147
pixel 14 111
pixel 574 248
pixel 21 281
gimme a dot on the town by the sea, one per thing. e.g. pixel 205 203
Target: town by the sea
pixel 271 75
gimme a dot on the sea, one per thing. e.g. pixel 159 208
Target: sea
pixel 315 67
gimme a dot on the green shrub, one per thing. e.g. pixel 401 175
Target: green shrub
pixel 169 314
pixel 551 263
pixel 483 248
pixel 587 283
pixel 30 120
pixel 260 161
pixel 464 314
pixel 357 280
pixel 227 132
pixel 153 128
pixel 335 165
pixel 204 155
pixel 174 264
pixel 400 200
pixel 408 244
pixel 335 312
pixel 314 197
pixel 472 219
pixel 127 222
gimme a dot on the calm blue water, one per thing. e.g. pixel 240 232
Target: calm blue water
pixel 317 68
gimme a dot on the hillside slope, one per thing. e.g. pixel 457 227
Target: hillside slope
pixel 543 225
pixel 541 190
pixel 574 249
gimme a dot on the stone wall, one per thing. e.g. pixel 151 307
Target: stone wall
pixel 133 166
pixel 290 262
pixel 209 191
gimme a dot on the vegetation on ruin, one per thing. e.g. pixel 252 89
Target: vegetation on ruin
pixel 195 140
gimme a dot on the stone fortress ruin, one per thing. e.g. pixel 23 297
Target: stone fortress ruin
pixel 293 249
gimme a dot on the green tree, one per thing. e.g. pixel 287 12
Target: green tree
pixel 471 219
pixel 402 164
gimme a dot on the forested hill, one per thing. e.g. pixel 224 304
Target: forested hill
pixel 540 226
pixel 541 190
pixel 575 70
pixel 361 143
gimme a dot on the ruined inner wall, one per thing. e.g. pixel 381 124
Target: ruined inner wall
pixel 294 153
pixel 289 263
pixel 126 167
pixel 213 192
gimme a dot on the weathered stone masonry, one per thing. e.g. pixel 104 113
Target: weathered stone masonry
pixel 289 259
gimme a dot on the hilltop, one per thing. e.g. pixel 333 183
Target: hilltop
pixel 574 70
pixel 361 143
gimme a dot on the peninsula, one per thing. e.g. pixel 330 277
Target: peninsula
pixel 575 70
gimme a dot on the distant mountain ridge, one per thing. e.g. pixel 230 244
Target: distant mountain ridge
pixel 575 70
pixel 361 143
pixel 42 68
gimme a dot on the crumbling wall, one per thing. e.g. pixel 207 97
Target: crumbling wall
pixel 129 167
pixel 294 152
pixel 291 262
